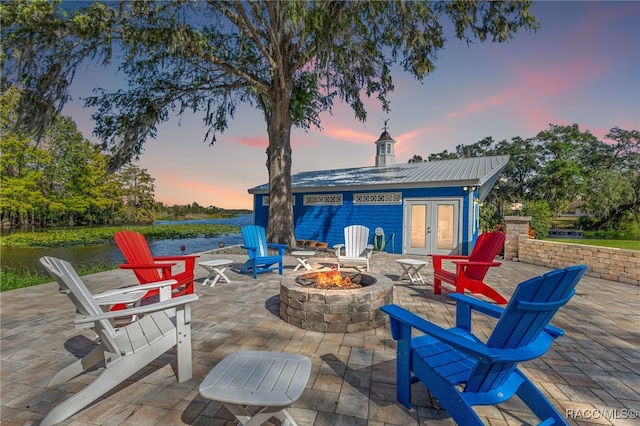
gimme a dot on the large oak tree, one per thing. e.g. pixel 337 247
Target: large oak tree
pixel 290 59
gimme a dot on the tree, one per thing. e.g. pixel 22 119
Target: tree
pixel 291 59
pixel 138 193
pixel 540 217
pixel 614 194
pixel 514 184
pixel 444 155
pixel 20 194
pixel 61 179
pixel 565 160
pixel 563 164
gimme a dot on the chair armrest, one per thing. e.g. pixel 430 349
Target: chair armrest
pixel 465 263
pixel 249 248
pixel 438 258
pixel 136 288
pixel 155 307
pixel 468 302
pixel 188 259
pixel 146 265
pixel 449 256
pixel 181 257
pixel 338 248
pixel 400 317
pixel 164 286
pixel 109 298
pixel 281 247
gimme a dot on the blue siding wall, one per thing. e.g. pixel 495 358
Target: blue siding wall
pixel 326 223
pixel 260 212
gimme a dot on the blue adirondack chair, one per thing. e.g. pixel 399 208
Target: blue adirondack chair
pixel 255 242
pixel 443 359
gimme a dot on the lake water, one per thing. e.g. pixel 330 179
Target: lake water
pixel 94 254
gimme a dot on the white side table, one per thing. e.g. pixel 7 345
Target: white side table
pixel 301 257
pixel 256 385
pixel 411 270
pixel 216 270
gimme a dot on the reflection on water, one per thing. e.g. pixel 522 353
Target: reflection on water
pixel 95 254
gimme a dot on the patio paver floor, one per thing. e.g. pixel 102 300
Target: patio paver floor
pixel 593 371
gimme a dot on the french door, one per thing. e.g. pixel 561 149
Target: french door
pixel 431 226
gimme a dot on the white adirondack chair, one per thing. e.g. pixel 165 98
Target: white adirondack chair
pixel 356 249
pixel 122 351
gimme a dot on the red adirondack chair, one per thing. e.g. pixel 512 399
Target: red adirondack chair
pixel 149 269
pixel 471 270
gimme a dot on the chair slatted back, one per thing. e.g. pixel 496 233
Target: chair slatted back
pixel 135 249
pixel 486 249
pixel 72 285
pixel 528 312
pixel 356 238
pixel 255 236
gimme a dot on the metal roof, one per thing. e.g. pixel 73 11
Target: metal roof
pixel 479 171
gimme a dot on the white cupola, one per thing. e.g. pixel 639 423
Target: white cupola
pixel 385 151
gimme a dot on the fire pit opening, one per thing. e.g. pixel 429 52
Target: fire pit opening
pixel 335 301
pixel 335 280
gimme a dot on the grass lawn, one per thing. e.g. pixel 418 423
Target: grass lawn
pixel 621 244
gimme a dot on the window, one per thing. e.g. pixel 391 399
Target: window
pixel 378 198
pixel 323 200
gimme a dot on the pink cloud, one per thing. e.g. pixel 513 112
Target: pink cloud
pixel 413 141
pixel 566 77
pixel 261 142
pixel 492 101
pixel 348 135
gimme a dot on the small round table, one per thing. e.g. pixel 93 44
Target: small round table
pixel 301 257
pixel 216 270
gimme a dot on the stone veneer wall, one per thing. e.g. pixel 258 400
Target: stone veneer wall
pixel 335 311
pixel 515 226
pixel 603 262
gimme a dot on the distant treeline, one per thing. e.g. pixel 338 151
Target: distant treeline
pixel 162 211
pixel 61 179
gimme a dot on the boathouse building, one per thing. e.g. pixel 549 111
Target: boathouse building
pixel 416 208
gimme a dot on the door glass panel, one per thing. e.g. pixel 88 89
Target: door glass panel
pixel 445 227
pixel 418 224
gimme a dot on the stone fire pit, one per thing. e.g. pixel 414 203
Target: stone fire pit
pixel 335 310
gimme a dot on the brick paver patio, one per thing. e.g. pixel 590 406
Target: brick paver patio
pixel 592 374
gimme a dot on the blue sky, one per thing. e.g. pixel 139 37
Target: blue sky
pixel 582 66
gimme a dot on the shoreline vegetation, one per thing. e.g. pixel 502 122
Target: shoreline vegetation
pixel 13 278
pixel 104 234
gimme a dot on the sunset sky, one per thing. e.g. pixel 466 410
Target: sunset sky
pixel 582 66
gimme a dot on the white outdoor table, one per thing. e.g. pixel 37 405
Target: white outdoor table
pixel 216 269
pixel 257 385
pixel 411 269
pixel 301 257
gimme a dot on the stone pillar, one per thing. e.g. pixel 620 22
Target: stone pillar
pixel 515 226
